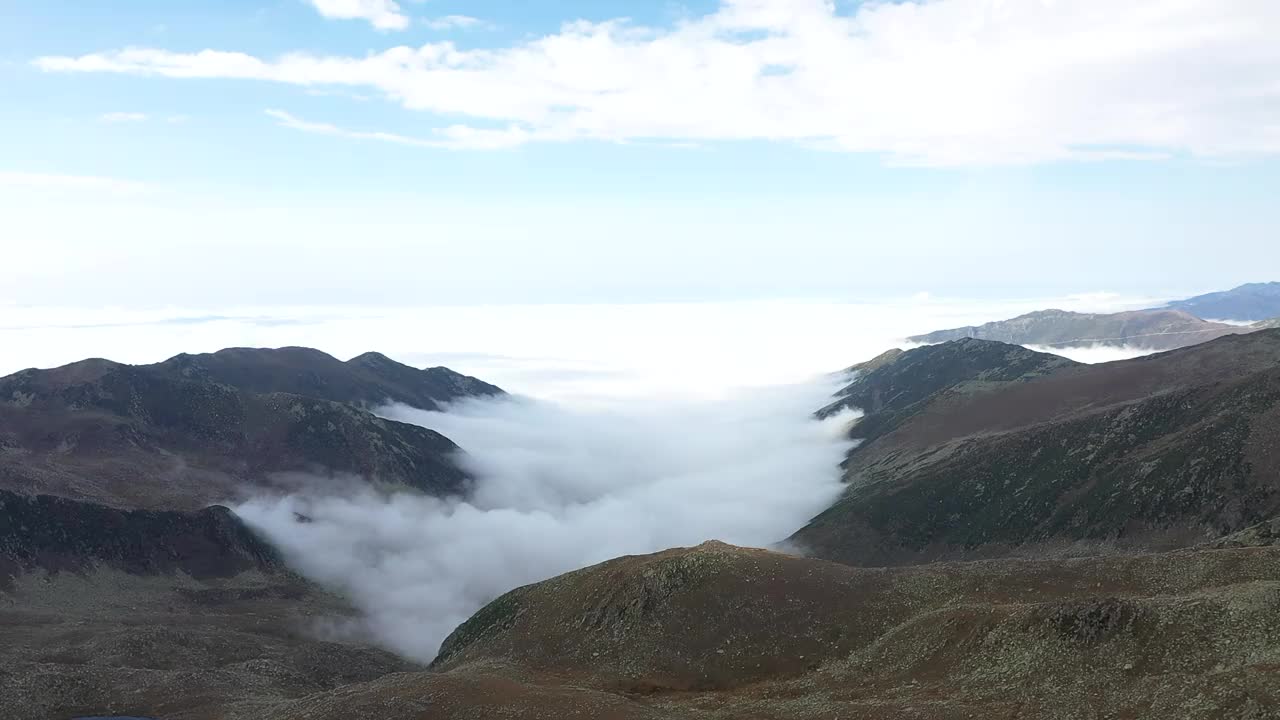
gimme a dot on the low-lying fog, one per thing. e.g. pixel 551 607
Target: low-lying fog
pixel 634 428
pixel 560 487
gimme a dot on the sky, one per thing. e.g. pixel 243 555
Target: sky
pixel 463 152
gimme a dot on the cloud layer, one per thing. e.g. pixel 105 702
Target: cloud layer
pixel 1092 354
pixel 942 82
pixel 382 14
pixel 561 487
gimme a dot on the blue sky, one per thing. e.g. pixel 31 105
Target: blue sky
pixel 551 152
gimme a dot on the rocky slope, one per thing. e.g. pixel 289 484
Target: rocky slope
pixel 1157 452
pixel 199 429
pixel 1152 329
pixel 1249 302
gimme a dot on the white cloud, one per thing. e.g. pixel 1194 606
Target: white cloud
pixel 449 22
pixel 1093 354
pixel 559 487
pixel 120 117
pixel 47 181
pixel 944 82
pixel 382 14
pixel 453 137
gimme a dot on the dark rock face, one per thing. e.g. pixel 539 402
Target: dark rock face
pixel 159 437
pixel 56 534
pixel 1249 302
pixel 371 379
pixel 1155 329
pixel 1158 452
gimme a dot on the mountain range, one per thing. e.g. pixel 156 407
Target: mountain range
pixel 1179 324
pixel 1251 302
pixel 1020 536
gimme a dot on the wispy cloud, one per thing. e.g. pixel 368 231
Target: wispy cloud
pixel 382 14
pixel 947 82
pixel 450 22
pixel 453 137
pixel 122 117
pixel 47 181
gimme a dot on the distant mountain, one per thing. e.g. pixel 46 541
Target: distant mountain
pixel 1157 452
pixel 199 429
pixel 1247 303
pixel 1266 324
pixel 1153 329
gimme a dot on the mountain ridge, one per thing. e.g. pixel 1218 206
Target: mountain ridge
pixel 1250 302
pixel 1157 452
pixel 1160 329
pixel 191 431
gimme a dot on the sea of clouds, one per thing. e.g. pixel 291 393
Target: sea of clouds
pixel 631 429
pixel 560 487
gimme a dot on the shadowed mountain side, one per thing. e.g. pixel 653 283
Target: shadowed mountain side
pixel 1158 452
pixel 1153 329
pixel 1248 302
pixel 723 632
pixel 135 437
pixel 52 535
pixel 371 379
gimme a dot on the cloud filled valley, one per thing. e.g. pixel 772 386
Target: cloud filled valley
pixel 559 487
